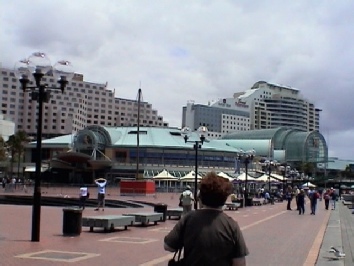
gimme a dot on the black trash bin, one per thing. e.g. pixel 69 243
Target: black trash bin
pixel 72 221
pixel 161 208
pixel 249 202
pixel 240 201
pixel 272 200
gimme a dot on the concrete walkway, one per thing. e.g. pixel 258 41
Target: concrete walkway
pixel 307 244
pixel 339 234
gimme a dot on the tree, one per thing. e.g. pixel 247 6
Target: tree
pixel 3 156
pixel 15 146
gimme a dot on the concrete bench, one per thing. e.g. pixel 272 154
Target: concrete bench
pixel 232 206
pixel 257 202
pixel 146 218
pixel 108 222
pixel 176 212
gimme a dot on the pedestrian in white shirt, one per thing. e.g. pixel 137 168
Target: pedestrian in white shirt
pixel 101 183
pixel 83 196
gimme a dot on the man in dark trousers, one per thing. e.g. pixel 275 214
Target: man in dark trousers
pixel 288 196
pixel 301 201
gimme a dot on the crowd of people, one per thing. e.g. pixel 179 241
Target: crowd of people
pixel 15 183
pixel 203 249
pixel 300 195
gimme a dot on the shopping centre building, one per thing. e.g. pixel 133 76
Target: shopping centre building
pixel 113 152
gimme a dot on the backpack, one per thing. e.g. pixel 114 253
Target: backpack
pixel 186 198
pixel 314 195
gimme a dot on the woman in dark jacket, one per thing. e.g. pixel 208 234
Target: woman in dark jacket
pixel 208 236
pixel 326 197
pixel 301 201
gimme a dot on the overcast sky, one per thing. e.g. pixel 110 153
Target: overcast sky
pixel 198 50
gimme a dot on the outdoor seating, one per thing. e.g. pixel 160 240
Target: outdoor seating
pixel 257 202
pixel 146 217
pixel 175 212
pixel 232 206
pixel 108 222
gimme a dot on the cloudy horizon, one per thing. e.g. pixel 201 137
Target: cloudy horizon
pixel 198 50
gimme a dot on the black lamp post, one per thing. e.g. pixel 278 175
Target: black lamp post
pixel 38 64
pixel 269 173
pixel 246 158
pixel 197 145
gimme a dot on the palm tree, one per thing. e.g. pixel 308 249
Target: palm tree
pixel 2 149
pixel 15 145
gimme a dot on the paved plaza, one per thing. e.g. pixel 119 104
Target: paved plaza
pixel 273 235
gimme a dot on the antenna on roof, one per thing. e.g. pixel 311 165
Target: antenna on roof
pixel 138 134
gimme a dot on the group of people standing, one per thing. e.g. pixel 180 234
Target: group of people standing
pixel 84 194
pixel 313 195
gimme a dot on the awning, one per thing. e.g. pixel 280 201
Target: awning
pixel 32 169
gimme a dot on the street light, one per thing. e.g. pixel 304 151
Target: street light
pixel 38 64
pixel 197 145
pixel 269 165
pixel 246 157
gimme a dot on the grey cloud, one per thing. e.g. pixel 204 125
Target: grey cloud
pixel 200 50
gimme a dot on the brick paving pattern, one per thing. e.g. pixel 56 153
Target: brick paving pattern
pixel 273 235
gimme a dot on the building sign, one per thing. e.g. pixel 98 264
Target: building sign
pixel 242 105
pixel 224 104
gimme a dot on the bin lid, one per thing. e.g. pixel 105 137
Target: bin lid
pixel 72 209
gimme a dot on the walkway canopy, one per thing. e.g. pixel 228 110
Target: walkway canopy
pixel 265 178
pixel 226 176
pixel 164 175
pixel 308 184
pixel 190 177
pixel 242 177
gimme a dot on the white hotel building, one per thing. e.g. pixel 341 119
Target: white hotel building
pixel 264 106
pixel 82 104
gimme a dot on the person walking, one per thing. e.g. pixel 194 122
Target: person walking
pixel 301 201
pixel 334 196
pixel 288 197
pixel 83 196
pixel 326 197
pixel 3 182
pixel 101 185
pixel 296 192
pixel 186 199
pixel 313 196
pixel 209 236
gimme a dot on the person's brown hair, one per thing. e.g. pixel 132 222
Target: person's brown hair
pixel 214 190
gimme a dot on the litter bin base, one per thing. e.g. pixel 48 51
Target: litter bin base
pixel 72 221
pixel 161 208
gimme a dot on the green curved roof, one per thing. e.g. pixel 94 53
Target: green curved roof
pixel 254 134
pixel 298 145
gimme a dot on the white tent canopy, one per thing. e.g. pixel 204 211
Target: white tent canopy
pixel 265 177
pixel 308 184
pixel 165 176
pixel 32 169
pixel 243 177
pixel 190 177
pixel 226 176
pixel 279 177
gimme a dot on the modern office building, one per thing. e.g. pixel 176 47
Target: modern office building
pixel 265 105
pixel 82 103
